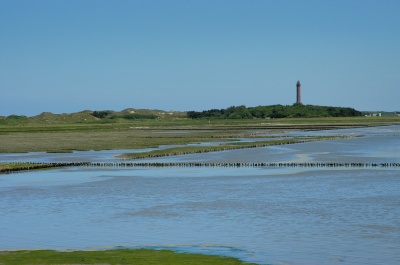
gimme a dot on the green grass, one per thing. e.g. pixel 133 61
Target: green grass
pixel 121 123
pixel 17 165
pixel 20 142
pixel 119 256
pixel 14 167
pixel 37 136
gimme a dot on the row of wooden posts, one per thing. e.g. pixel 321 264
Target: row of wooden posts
pixel 34 166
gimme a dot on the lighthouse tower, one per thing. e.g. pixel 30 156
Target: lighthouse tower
pixel 298 98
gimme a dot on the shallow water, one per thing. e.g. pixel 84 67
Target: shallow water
pixel 381 145
pixel 263 215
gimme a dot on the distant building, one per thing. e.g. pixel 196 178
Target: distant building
pixel 298 97
pixel 374 115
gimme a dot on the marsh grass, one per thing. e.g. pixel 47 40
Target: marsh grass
pixel 15 167
pixel 92 135
pixel 118 256
pixel 61 142
pixel 4 166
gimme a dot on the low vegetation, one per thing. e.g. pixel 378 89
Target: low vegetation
pixel 80 139
pixel 17 167
pixel 6 166
pixel 117 256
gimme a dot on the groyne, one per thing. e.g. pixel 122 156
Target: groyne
pixel 36 166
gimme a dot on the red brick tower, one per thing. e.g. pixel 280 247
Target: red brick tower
pixel 298 92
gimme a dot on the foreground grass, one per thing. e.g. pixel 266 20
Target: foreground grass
pixel 119 256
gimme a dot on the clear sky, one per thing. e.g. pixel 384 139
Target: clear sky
pixel 66 56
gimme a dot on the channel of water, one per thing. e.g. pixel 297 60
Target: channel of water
pixel 262 215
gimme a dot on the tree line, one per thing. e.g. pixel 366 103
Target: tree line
pixel 274 112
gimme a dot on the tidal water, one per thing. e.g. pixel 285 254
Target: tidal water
pixel 263 215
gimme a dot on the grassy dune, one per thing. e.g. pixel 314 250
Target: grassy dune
pixel 120 256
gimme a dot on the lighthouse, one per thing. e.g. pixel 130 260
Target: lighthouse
pixel 298 98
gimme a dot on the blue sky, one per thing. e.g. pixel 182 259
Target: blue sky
pixel 72 55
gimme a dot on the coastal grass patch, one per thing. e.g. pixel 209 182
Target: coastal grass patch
pixel 113 257
pixel 14 167
pixel 18 165
pixel 184 150
pixel 64 142
pixel 4 166
pixel 95 135
pixel 36 126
